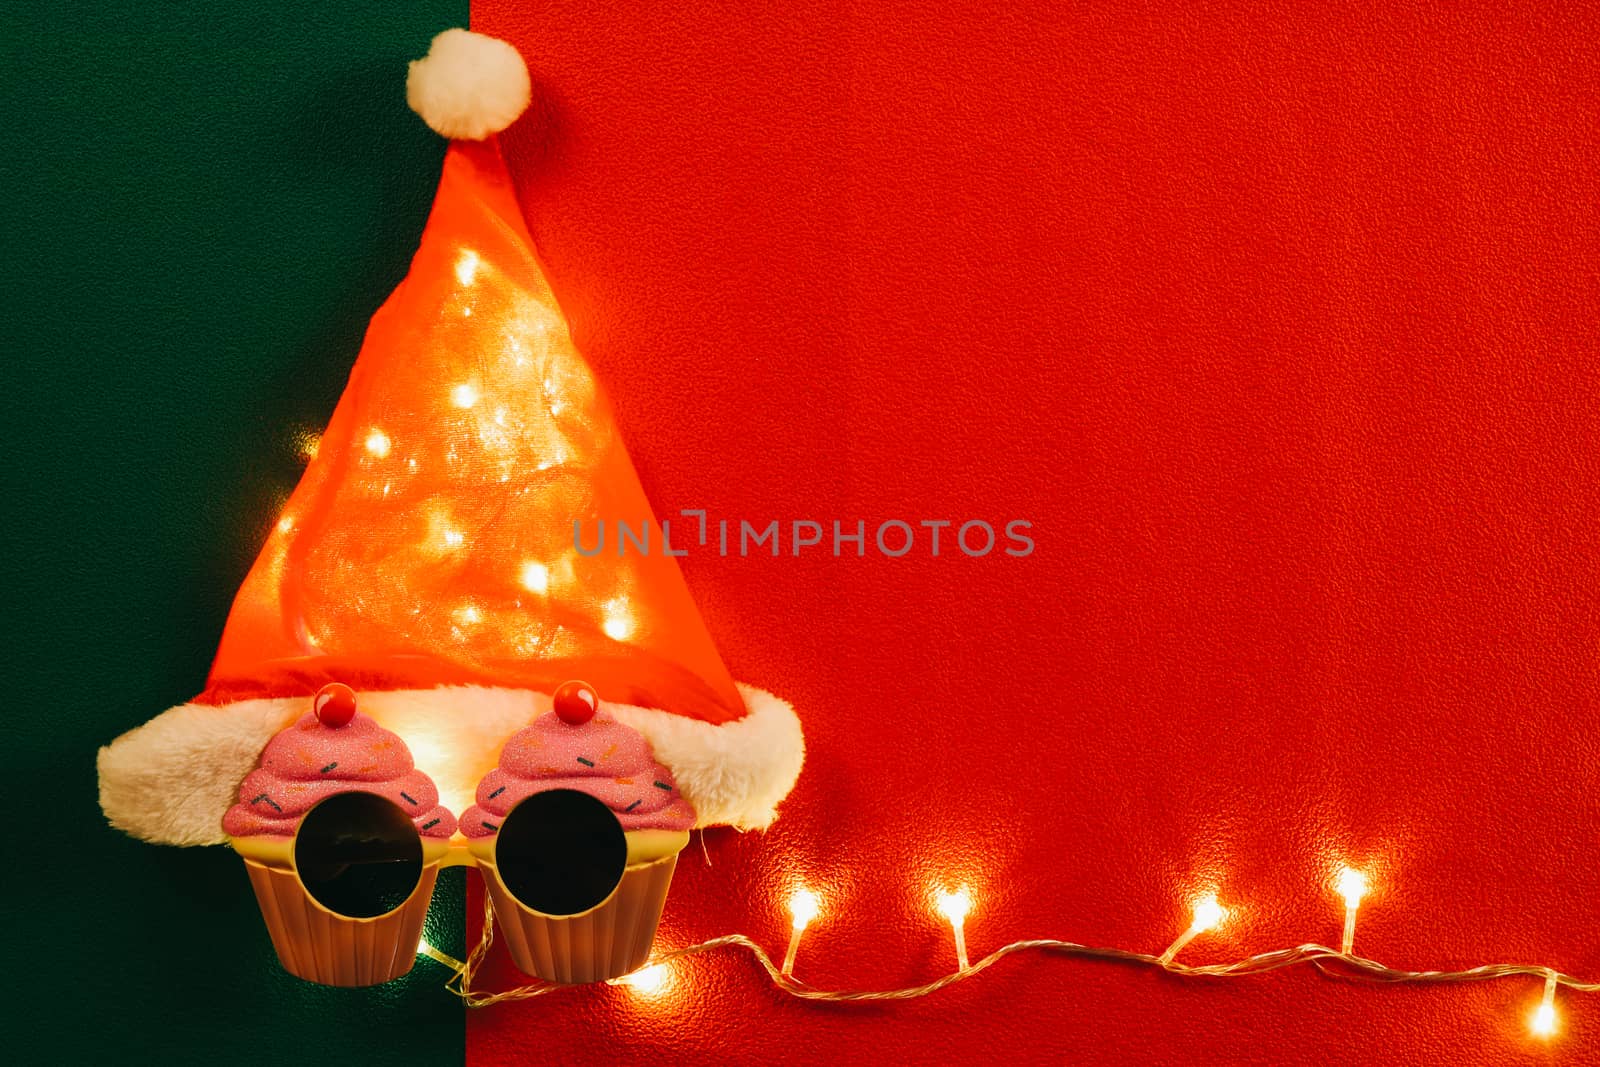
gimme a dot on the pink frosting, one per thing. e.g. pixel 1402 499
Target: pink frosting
pixel 309 762
pixel 602 757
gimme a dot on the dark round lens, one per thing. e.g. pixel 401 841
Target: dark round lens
pixel 561 852
pixel 358 855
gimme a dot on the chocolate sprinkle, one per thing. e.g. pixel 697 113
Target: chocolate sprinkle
pixel 431 824
pixel 408 800
pixel 497 792
pixel 269 800
pixel 630 807
pixel 586 763
pixel 329 767
pixel 663 785
pixel 490 826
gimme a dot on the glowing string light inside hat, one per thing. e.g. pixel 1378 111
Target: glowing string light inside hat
pixel 1352 885
pixel 1207 915
pixel 618 623
pixel 955 907
pixel 467 266
pixel 803 907
pixel 535 577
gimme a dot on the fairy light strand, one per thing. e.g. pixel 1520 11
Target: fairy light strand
pixel 1207 915
pixel 1543 1023
pixel 1352 885
pixel 438 955
pixel 803 907
pixel 1327 961
pixel 955 907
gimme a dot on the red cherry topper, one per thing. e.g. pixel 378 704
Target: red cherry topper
pixel 576 702
pixel 335 705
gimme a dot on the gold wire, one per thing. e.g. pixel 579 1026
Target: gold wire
pixel 1327 961
pixel 440 955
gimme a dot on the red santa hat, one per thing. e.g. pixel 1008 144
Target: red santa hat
pixel 428 557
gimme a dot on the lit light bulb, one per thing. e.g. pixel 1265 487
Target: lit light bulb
pixel 453 538
pixel 464 395
pixel 618 624
pixel 1543 1021
pixel 536 577
pixel 468 615
pixel 285 524
pixel 467 266
pixel 1352 885
pixel 378 443
pixel 955 907
pixel 1208 914
pixel 650 980
pixel 803 907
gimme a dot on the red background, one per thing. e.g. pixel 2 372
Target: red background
pixel 1280 328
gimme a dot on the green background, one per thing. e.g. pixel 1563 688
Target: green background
pixel 203 207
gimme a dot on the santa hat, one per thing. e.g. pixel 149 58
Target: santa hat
pixel 428 557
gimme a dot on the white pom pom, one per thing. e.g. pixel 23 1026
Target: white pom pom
pixel 468 85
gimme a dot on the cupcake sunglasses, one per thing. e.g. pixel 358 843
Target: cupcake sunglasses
pixel 347 907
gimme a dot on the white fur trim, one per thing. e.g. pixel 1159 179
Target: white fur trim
pixel 734 774
pixel 171 780
pixel 468 85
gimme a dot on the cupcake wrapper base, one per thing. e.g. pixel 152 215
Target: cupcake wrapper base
pixel 320 946
pixel 608 941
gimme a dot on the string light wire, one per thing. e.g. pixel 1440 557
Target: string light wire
pixel 425 949
pixel 1329 962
